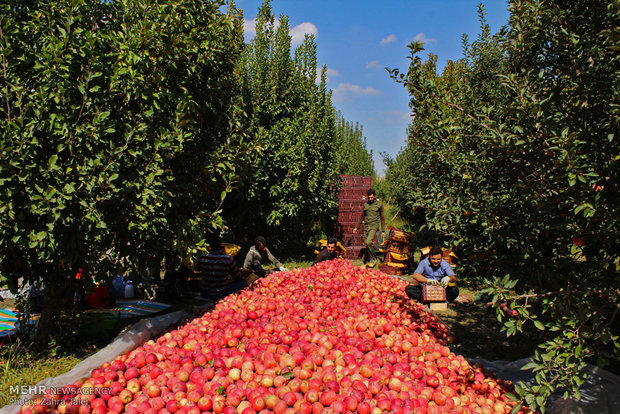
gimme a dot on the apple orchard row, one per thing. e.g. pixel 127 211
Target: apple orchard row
pixel 332 338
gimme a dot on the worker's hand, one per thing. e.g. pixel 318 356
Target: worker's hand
pixel 432 282
pixel 444 281
pixel 282 269
pixel 355 230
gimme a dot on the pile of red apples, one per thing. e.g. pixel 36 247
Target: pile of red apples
pixel 332 338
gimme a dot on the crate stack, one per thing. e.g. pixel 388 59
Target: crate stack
pixel 397 258
pixel 351 201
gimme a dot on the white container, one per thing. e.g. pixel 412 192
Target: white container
pixel 130 291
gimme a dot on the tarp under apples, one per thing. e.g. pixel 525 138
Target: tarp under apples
pixel 332 338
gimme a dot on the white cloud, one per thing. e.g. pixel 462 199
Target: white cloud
pixel 345 89
pixel 387 40
pixel 331 73
pixel 421 37
pixel 373 64
pixel 396 117
pixel 297 33
pixel 249 27
pixel 301 30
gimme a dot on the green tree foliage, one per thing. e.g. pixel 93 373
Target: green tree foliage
pixel 288 186
pixel 118 135
pixel 513 156
pixel 353 155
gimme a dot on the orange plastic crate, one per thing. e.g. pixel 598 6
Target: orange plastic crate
pixel 433 293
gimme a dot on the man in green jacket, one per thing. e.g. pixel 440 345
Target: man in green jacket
pixel 372 217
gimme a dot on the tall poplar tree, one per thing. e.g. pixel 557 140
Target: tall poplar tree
pixel 288 187
pixel 353 155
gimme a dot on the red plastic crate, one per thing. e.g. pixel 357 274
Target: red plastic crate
pixel 356 179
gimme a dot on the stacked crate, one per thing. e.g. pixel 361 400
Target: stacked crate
pixel 351 198
pixel 397 259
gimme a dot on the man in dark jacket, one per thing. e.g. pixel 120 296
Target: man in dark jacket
pixel 258 255
pixel 330 252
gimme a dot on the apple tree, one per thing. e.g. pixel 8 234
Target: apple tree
pixel 513 157
pixel 119 136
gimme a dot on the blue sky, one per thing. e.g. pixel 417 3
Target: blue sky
pixel 357 39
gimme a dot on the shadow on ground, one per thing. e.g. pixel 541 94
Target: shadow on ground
pixel 479 334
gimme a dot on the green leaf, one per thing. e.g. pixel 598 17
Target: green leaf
pixel 51 163
pixel 539 325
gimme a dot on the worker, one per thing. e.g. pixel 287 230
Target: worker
pixel 372 217
pixel 330 252
pixel 220 274
pixel 258 255
pixel 433 270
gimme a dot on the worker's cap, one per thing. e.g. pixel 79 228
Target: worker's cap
pixel 214 240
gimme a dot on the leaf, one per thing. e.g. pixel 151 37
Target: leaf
pixel 539 325
pixel 51 163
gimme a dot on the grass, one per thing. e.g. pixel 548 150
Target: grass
pixel 19 365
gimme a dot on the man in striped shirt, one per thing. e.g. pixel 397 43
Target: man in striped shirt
pixel 220 274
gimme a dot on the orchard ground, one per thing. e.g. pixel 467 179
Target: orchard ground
pixel 476 328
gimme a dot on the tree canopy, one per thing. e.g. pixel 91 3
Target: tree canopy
pixel 119 134
pixel 289 189
pixel 512 156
